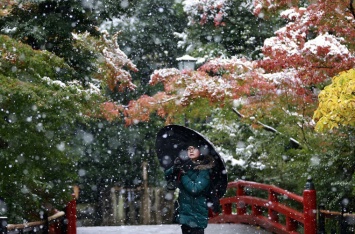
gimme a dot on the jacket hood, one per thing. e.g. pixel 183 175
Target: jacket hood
pixel 204 163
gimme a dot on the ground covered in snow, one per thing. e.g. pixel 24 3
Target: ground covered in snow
pixel 172 229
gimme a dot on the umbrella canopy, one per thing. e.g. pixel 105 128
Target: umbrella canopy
pixel 173 140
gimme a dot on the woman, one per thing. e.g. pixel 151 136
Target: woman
pixel 193 180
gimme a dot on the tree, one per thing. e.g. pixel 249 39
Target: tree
pixel 114 156
pixel 225 28
pixel 280 90
pixel 48 25
pixel 38 117
pixel 147 35
pixel 48 89
pixel 42 106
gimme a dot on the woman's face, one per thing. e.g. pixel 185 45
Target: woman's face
pixel 193 152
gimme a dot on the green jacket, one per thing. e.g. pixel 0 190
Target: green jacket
pixel 193 187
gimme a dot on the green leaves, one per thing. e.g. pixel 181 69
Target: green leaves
pixel 47 25
pixel 148 36
pixel 38 119
pixel 225 29
pixel 21 61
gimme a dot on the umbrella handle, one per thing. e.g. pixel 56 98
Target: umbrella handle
pixel 178 179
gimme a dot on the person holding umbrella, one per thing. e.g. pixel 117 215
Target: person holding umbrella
pixel 193 183
pixel 191 162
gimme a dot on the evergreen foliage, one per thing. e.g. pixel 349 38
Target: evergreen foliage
pixel 65 52
pixel 48 25
pixel 38 123
pixel 108 9
pixel 226 29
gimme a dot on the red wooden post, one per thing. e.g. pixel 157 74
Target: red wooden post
pixel 71 216
pixel 256 211
pixel 273 199
pixel 227 209
pixel 241 207
pixel 291 225
pixel 310 208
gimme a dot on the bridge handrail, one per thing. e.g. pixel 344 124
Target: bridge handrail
pixel 344 220
pixel 52 218
pixel 270 222
pixel 271 188
pixel 49 225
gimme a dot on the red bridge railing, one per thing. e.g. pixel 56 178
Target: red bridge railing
pixel 270 208
pixel 62 222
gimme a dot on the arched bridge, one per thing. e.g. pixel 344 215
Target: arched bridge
pixel 248 207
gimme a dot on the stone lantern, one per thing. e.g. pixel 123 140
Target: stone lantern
pixel 186 62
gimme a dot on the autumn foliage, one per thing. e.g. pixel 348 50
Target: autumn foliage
pixel 116 61
pixel 337 102
pixel 315 45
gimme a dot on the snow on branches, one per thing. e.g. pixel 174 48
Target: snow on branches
pixel 265 7
pixel 116 60
pixel 218 81
pixel 315 45
pixel 166 76
pixel 310 44
pixel 113 64
pixel 113 68
pixel 235 64
pixel 203 11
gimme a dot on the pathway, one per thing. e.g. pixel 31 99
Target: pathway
pixel 171 229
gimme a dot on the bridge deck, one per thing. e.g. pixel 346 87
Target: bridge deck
pixel 172 229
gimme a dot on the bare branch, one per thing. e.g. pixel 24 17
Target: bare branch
pixel 270 129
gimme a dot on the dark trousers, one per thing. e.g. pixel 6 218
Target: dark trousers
pixel 189 230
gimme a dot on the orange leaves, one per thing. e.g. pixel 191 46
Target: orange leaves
pixel 168 77
pixel 301 55
pixel 218 81
pixel 110 110
pixel 200 85
pixel 218 20
pixel 139 110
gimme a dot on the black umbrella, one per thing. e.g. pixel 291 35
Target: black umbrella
pixel 173 140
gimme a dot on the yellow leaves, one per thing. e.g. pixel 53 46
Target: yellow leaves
pixel 337 103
